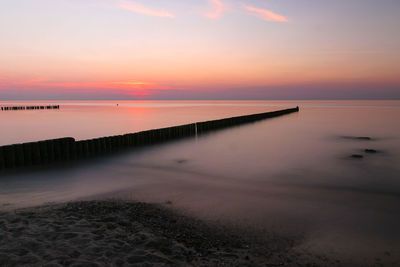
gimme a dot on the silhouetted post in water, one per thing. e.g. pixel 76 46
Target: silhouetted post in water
pixel 9 156
pixel 85 146
pixel 57 150
pixel 138 139
pixel 43 152
pixel 133 139
pixel 66 145
pixel 95 147
pixel 36 158
pixel 50 150
pixel 92 147
pixel 78 149
pixel 103 145
pixel 107 143
pixel 125 139
pixel 98 146
pixel 120 142
pixel 28 154
pixel 72 149
pixel 2 162
pixel 88 144
pixel 29 107
pixel 19 155
pixel 149 137
pixel 116 142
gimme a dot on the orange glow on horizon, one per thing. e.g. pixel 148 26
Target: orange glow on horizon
pixel 136 88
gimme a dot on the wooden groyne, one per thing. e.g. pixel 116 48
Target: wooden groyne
pixel 67 149
pixel 29 107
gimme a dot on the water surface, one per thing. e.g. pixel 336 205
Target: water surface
pixel 291 175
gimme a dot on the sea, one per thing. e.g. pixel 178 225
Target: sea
pixel 294 175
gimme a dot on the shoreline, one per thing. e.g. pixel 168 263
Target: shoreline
pixel 122 233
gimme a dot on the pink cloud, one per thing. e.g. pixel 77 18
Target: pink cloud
pixel 266 14
pixel 218 9
pixel 137 8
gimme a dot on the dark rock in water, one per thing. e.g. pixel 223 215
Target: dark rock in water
pixel 180 161
pixel 372 151
pixel 365 138
pixel 357 156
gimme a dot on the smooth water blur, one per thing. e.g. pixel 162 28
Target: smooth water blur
pixel 86 120
pixel 291 175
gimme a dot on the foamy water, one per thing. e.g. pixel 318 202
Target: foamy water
pixel 291 174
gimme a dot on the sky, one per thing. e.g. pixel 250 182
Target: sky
pixel 199 49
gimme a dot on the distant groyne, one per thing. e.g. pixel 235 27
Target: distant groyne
pixel 8 108
pixel 67 149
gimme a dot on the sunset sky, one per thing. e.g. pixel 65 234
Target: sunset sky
pixel 199 49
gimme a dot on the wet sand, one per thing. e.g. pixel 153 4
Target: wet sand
pixel 119 233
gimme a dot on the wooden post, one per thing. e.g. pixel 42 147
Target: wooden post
pixel 36 157
pixel 43 152
pixel 2 160
pixel 19 155
pixel 78 150
pixel 57 150
pixel 108 144
pixel 85 148
pixel 72 149
pixel 50 150
pixel 27 147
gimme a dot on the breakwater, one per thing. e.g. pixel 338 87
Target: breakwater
pixel 67 149
pixel 29 107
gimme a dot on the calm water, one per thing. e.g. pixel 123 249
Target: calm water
pixel 290 175
pixel 85 120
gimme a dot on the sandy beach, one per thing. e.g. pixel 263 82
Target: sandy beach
pixel 115 233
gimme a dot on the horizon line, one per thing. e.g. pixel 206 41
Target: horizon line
pixel 217 99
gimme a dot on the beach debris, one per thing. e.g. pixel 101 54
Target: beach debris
pixel 371 151
pixel 357 156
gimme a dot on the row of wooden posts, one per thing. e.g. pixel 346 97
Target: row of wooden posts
pixel 29 107
pixel 67 149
